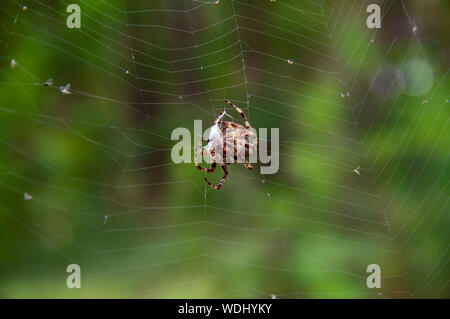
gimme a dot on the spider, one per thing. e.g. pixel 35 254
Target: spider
pixel 227 138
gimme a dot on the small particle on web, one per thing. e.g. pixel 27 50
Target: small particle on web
pixel 268 195
pixel 49 82
pixel 180 97
pixel 106 218
pixel 290 61
pixel 27 196
pixel 425 101
pixel 13 63
pixel 65 89
pixel 373 40
pixel 273 296
pixel 356 171
pixel 414 29
pixel 24 8
pixel 127 72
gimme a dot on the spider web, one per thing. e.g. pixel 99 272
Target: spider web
pixel 107 196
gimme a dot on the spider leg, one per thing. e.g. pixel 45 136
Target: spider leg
pixel 246 163
pixel 240 112
pixel 207 170
pixel 222 181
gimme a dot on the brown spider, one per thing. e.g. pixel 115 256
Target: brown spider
pixel 227 138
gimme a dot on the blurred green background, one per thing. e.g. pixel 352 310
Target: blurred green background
pixel 107 196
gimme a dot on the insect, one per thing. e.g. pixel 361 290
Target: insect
pixel 65 89
pixel 227 142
